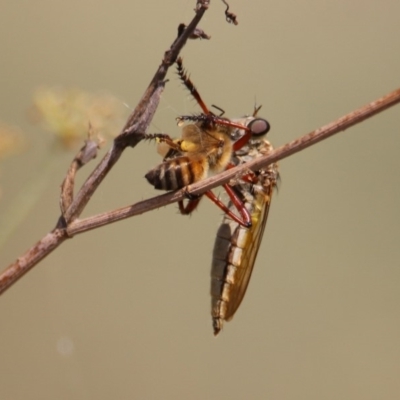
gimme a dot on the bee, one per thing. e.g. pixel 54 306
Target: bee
pixel 236 246
pixel 205 148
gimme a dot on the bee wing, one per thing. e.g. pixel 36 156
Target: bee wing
pixel 192 137
pixel 196 138
pixel 165 151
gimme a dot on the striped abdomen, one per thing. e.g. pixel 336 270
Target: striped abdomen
pixel 236 246
pixel 232 265
pixel 177 173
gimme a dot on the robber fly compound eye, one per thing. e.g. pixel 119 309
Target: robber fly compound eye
pixel 259 126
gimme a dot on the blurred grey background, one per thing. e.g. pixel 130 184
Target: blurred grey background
pixel 123 312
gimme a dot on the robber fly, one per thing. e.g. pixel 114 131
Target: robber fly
pixel 236 246
pixel 210 144
pixel 205 148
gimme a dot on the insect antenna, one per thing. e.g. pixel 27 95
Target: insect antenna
pixel 219 109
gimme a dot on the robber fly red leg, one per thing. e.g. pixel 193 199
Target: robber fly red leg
pixel 244 219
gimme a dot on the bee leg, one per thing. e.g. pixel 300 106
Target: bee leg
pixel 163 138
pixel 245 217
pixel 192 196
pixel 190 206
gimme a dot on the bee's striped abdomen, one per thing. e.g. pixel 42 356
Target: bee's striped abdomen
pixel 176 173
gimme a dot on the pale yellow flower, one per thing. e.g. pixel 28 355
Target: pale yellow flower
pixel 68 112
pixel 11 140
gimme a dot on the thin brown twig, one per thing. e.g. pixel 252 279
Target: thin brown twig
pixel 341 124
pixel 137 122
pixel 85 154
pixel 230 16
pixel 130 135
pixel 55 238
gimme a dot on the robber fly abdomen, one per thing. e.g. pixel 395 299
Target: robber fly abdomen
pixel 236 247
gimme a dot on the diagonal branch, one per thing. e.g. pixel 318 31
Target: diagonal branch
pixel 284 151
pixel 57 236
pixel 137 122
pixel 130 135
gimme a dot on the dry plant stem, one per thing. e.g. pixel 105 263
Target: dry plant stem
pixel 55 238
pixel 131 134
pixel 301 143
pixel 85 154
pixel 295 146
pixel 67 187
pixel 138 121
pixel 32 257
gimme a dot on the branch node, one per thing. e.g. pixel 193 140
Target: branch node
pixel 87 153
pixel 196 34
